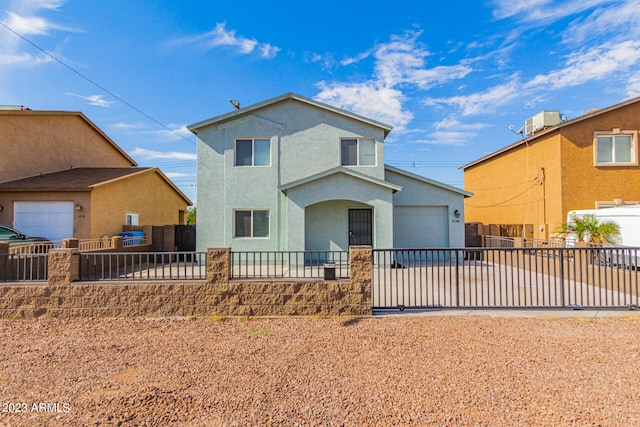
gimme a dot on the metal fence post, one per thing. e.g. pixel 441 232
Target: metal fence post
pixel 457 280
pixel 561 256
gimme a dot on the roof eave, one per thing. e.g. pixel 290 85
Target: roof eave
pixel 194 127
pixel 557 127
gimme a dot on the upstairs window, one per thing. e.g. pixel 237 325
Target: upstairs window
pixel 616 148
pixel 131 219
pixel 251 223
pixel 253 152
pixel 358 152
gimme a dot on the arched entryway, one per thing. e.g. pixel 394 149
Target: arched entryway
pixel 334 225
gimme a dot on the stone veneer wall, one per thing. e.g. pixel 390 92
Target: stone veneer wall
pixel 216 296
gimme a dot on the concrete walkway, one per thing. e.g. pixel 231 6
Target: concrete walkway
pixel 523 313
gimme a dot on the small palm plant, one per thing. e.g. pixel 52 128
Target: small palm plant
pixel 590 229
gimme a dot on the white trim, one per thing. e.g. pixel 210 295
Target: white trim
pixel 613 133
pixel 135 218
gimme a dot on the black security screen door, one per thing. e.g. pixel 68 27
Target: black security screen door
pixel 360 227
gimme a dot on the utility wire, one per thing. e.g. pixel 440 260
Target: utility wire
pixel 94 83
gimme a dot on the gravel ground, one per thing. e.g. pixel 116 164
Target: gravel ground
pixel 443 371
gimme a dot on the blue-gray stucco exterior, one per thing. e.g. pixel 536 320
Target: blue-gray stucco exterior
pixel 305 189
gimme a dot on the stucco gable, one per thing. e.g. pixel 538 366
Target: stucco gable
pixel 287 96
pixel 251 118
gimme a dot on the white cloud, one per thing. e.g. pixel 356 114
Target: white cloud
pixel 453 123
pixel 152 154
pixel 28 25
pixel 451 138
pixel 221 36
pixel 633 86
pixel 451 131
pixel 593 64
pixel 399 64
pixel 268 51
pixel 367 99
pixel 128 126
pixel 96 100
pixel 355 59
pixel 483 102
pixel 617 20
pixel 24 17
pixel 542 11
pixel 177 132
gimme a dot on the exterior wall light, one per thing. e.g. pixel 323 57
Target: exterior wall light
pixel 78 207
pixel 456 214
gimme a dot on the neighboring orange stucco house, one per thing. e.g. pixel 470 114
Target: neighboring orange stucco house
pixel 583 163
pixel 61 176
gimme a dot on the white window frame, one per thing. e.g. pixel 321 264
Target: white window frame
pixel 253 152
pixel 613 133
pixel 268 236
pixel 131 219
pixel 375 151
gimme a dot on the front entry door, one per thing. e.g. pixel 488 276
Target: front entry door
pixel 360 227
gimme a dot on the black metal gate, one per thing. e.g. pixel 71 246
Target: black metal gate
pixel 360 227
pixel 607 277
pixel 185 238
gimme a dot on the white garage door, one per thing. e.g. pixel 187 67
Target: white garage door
pixel 420 227
pixel 53 220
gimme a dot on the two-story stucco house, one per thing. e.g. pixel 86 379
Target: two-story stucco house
pixel 294 174
pixel 61 176
pixel 587 162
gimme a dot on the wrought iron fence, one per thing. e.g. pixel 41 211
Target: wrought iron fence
pixel 143 266
pixel 506 278
pixel 292 264
pixel 23 267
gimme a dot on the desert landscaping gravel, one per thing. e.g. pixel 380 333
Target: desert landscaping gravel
pixel 440 371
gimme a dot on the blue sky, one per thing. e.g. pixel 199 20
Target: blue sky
pixel 451 77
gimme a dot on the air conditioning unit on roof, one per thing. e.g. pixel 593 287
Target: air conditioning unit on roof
pixel 540 121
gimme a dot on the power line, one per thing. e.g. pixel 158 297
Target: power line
pixel 94 83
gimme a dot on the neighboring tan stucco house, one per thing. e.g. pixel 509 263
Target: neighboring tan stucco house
pixel 294 174
pixel 588 162
pixel 61 176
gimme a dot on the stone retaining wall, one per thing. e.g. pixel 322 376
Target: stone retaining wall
pixel 63 297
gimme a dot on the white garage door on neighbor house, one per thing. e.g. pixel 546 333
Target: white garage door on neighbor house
pixel 53 220
pixel 420 227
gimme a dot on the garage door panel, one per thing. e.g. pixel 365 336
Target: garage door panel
pixel 53 220
pixel 420 227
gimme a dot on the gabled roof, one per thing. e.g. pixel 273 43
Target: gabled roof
pixel 81 179
pixel 429 181
pixel 245 110
pixel 72 113
pixel 336 171
pixel 539 135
